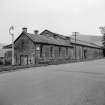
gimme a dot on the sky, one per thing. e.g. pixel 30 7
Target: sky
pixel 59 16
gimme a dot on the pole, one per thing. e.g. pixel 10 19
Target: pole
pixel 12 28
pixel 75 33
pixel 75 39
pixel 13 49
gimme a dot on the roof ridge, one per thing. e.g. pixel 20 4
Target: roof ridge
pixel 54 33
pixel 43 39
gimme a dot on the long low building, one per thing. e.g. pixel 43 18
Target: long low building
pixel 49 47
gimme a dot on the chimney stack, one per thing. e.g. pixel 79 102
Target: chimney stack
pixel 24 29
pixel 68 39
pixel 36 32
pixel 55 36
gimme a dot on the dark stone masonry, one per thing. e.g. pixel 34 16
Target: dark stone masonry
pixel 31 49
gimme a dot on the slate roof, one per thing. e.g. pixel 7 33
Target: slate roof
pixel 47 37
pixel 80 40
pixel 48 40
pixel 52 34
pixel 7 46
pixel 44 39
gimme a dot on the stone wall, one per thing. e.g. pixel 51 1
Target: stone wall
pixel 25 51
pixel 86 52
pixel 53 52
pixel 28 52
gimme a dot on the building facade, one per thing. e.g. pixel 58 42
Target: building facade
pixel 84 50
pixel 31 49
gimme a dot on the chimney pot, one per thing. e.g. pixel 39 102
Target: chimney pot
pixel 68 39
pixel 36 32
pixel 55 36
pixel 24 29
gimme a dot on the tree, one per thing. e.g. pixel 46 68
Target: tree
pixel 103 33
pixel 103 38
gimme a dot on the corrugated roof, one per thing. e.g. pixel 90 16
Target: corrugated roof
pixel 94 39
pixel 80 42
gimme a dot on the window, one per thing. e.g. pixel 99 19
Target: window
pixel 41 46
pixel 22 44
pixel 66 51
pixel 59 51
pixel 51 51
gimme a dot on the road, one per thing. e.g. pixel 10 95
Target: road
pixel 67 84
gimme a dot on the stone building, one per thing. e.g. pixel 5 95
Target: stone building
pixel 36 48
pixel 47 46
pixel 85 50
pixel 81 49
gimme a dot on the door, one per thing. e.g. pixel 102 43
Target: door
pixel 85 54
pixel 23 59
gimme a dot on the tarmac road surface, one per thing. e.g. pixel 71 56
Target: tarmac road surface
pixel 67 84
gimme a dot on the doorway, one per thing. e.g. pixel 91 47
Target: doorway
pixel 23 59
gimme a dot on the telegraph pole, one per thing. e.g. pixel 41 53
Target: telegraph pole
pixel 12 34
pixel 75 51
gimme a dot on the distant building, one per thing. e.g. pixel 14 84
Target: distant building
pixel 50 47
pixel 1 57
pixel 2 54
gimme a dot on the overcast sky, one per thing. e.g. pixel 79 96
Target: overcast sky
pixel 60 16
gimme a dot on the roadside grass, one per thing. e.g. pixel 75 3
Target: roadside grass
pixel 4 68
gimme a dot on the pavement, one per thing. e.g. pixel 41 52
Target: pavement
pixel 80 83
